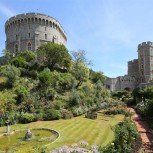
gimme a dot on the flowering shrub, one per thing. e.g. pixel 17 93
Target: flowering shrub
pixel 145 108
pixel 125 135
pixel 76 149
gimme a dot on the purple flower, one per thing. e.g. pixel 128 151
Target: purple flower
pixel 83 143
pixel 74 145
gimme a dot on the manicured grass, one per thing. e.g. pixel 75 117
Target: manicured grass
pixel 95 132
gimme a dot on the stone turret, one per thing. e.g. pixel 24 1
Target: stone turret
pixel 145 61
pixel 28 31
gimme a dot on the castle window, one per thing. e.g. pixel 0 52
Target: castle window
pixel 17 37
pixel 32 19
pixel 29 35
pixel 36 19
pixel 54 39
pixel 25 20
pixel 40 20
pixel 29 46
pixel 50 23
pixel 46 22
pixel 45 36
pixel 43 21
pixel 18 22
pixel 16 48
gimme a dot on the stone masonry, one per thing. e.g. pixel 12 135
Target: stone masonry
pixel 140 71
pixel 28 31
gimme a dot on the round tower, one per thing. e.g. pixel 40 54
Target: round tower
pixel 28 31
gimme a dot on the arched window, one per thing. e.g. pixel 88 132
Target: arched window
pixel 39 20
pixel 29 46
pixel 46 22
pixel 45 36
pixel 29 35
pixel 43 21
pixel 17 37
pixel 16 48
pixel 36 20
pixel 50 23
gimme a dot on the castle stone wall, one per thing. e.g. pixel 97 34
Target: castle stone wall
pixel 140 71
pixel 120 83
pixel 133 68
pixel 145 61
pixel 28 31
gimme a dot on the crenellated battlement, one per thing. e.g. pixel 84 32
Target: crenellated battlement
pixel 133 61
pixel 30 30
pixel 145 44
pixel 34 18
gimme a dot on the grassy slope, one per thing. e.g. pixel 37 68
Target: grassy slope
pixel 73 130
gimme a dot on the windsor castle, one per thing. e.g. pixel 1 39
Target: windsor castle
pixel 28 31
pixel 140 71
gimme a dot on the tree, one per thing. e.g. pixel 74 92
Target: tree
pixel 96 76
pixel 80 56
pixel 45 78
pixel 12 73
pixel 7 55
pixel 148 92
pixel 28 55
pixel 81 73
pixel 19 62
pixel 54 56
pixel 24 59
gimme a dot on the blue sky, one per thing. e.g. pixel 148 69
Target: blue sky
pixel 108 30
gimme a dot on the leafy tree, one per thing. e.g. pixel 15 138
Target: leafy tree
pixel 80 56
pixel 54 56
pixel 7 101
pixel 148 93
pixel 96 76
pixel 7 55
pixel 137 94
pixel 21 92
pixel 26 117
pixel 24 59
pixel 28 55
pixel 44 77
pixel 75 99
pixel 12 73
pixel 19 62
pixel 81 73
pixel 67 81
pixel 52 114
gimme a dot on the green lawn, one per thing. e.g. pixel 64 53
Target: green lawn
pixel 95 132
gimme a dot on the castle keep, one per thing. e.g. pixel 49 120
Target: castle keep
pixel 140 71
pixel 28 31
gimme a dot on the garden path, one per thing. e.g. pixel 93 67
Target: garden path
pixel 145 132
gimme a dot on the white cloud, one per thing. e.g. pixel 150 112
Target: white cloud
pixel 6 11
